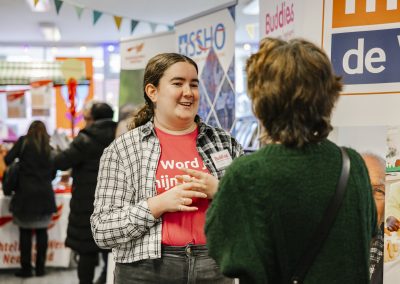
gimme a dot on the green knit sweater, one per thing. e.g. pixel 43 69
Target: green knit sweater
pixel 268 205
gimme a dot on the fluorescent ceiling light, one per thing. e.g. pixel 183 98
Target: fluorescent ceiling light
pixel 50 31
pixel 251 8
pixel 41 6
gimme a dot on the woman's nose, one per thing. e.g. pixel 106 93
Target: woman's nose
pixel 187 90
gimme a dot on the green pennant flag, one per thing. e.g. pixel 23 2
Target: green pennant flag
pixel 153 27
pixel 79 11
pixel 58 4
pixel 134 23
pixel 96 16
pixel 170 27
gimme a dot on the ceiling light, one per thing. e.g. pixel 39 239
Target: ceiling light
pixel 251 8
pixel 41 6
pixel 50 31
pixel 110 48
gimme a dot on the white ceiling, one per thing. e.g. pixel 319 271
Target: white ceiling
pixel 20 25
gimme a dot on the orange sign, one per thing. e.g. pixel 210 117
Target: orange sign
pixel 348 13
pixel 63 117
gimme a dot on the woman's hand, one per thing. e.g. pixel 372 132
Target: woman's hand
pixel 178 198
pixel 392 224
pixel 209 182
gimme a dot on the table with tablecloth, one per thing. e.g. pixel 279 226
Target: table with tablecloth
pixel 57 254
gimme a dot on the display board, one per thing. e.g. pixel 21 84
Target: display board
pixel 135 53
pixel 209 39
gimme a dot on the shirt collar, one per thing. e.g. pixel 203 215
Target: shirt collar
pixel 148 128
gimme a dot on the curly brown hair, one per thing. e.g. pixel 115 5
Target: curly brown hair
pixel 155 69
pixel 293 90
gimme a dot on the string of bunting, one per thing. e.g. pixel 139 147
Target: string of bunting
pixel 96 15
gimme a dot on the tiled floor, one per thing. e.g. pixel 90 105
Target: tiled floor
pixel 53 276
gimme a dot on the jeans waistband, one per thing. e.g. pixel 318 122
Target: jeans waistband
pixel 188 250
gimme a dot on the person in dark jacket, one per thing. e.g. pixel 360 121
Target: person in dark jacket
pixel 83 156
pixel 33 202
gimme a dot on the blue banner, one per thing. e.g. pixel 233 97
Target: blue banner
pixel 367 57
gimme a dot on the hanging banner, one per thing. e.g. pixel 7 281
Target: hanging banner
pixel 16 104
pixel 280 18
pixel 209 39
pixel 84 93
pixel 135 53
pixel 41 96
pixel 362 38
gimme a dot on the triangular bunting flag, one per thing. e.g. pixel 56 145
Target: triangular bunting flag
pixel 170 27
pixel 118 21
pixel 134 23
pixel 153 27
pixel 58 4
pixel 250 28
pixel 79 11
pixel 35 2
pixel 96 16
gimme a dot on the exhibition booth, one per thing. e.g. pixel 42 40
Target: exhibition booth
pixel 362 43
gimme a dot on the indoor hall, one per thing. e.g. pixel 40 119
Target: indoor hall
pixel 59 58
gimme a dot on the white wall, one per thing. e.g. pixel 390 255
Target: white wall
pixel 362 138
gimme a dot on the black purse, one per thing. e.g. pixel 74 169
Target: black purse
pixel 11 175
pixel 322 231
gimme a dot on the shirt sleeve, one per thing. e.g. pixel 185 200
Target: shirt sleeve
pixel 73 155
pixel 14 152
pixel 116 219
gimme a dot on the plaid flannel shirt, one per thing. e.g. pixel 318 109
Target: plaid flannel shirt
pixel 376 251
pixel 121 219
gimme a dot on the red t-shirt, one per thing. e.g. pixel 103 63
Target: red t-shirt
pixel 177 151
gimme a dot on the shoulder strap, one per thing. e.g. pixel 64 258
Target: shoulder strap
pixel 324 226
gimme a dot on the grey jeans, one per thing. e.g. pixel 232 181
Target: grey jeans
pixel 178 265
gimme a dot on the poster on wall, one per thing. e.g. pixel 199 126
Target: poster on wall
pixel 391 272
pixel 209 39
pixel 281 18
pixel 16 104
pixel 41 96
pixel 362 39
pixel 135 53
pixel 84 93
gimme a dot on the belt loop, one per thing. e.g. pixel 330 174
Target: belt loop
pixel 188 249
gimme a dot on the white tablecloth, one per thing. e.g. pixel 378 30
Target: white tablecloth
pixel 57 254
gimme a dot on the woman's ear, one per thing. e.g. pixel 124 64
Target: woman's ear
pixel 151 92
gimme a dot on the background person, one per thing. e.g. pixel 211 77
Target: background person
pixel 153 221
pixel 33 202
pixel 377 171
pixel 126 114
pixel 83 156
pixel 269 203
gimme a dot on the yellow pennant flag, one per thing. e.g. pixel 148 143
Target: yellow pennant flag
pixel 118 21
pixel 250 28
pixel 35 2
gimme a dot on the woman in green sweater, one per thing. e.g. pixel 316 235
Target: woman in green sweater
pixel 269 203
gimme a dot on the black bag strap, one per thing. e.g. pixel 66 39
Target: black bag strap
pixel 322 231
